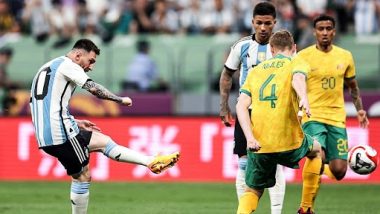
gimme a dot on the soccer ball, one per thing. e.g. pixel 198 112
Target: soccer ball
pixel 363 159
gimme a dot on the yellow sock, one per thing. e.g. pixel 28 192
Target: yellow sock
pixel 311 180
pixel 328 172
pixel 248 203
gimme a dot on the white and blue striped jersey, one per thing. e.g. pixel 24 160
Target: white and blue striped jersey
pixel 246 54
pixel 51 91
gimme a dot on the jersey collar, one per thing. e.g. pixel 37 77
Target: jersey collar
pixel 254 39
pixel 281 56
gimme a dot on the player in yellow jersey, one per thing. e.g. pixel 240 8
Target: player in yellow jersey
pixel 276 90
pixel 331 67
pixel 245 54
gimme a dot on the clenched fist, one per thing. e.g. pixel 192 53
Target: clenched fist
pixel 126 101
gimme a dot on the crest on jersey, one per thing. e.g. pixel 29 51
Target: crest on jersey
pixel 261 56
pixel 340 66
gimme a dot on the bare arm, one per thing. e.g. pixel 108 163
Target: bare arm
pixel 353 89
pixel 245 121
pixel 103 93
pixel 225 84
pixel 299 85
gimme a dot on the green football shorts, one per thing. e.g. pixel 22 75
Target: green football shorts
pixel 261 167
pixel 332 139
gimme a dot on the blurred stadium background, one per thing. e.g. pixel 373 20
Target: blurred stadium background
pixel 183 117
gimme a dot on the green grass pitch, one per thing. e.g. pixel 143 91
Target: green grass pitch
pixel 176 198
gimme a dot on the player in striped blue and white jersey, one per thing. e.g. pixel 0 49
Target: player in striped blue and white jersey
pixel 244 55
pixel 52 88
pixel 70 140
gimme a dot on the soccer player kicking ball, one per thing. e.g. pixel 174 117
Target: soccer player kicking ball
pixel 70 140
pixel 332 67
pixel 276 90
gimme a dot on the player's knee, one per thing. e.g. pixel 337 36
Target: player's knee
pixel 99 139
pixel 87 176
pixel 339 172
pixel 84 176
pixel 339 176
pixel 76 176
pixel 338 168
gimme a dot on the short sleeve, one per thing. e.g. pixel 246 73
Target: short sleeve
pixel 300 66
pixel 246 87
pixel 75 73
pixel 350 72
pixel 233 60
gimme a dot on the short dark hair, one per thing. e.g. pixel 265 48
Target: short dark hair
pixel 323 17
pixel 264 8
pixel 6 51
pixel 87 45
pixel 142 46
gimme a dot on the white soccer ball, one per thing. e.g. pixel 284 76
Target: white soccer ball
pixel 363 159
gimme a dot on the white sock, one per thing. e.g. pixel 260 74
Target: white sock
pixel 240 177
pixel 277 192
pixel 123 154
pixel 79 196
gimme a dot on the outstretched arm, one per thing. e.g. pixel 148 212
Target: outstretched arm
pixel 353 89
pixel 103 93
pixel 225 84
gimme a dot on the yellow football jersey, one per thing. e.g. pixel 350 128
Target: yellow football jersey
pixel 275 104
pixel 325 83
